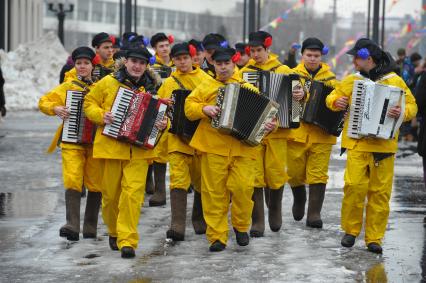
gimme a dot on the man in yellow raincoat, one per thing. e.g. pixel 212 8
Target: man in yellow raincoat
pixel 183 160
pixel 78 165
pixel 227 164
pixel 370 161
pixel 211 42
pixel 309 147
pixel 103 44
pixel 272 153
pixel 161 44
pixel 125 165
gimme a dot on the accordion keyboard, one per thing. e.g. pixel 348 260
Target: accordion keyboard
pixel 118 110
pixel 74 102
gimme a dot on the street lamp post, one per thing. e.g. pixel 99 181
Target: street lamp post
pixel 60 14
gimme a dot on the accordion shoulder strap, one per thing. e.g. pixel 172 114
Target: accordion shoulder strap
pixel 77 83
pixel 388 76
pixel 274 68
pixel 179 83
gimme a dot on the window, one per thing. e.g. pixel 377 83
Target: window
pixel 192 21
pixel 97 7
pixel 83 10
pixel 161 14
pixel 181 19
pixel 148 17
pixel 171 17
pixel 111 13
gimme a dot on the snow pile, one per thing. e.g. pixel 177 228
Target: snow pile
pixel 31 70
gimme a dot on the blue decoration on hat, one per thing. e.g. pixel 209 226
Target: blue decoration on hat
pixel 363 53
pixel 146 41
pixel 152 60
pixel 224 44
pixel 325 50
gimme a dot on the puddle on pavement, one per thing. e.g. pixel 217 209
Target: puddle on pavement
pixel 26 204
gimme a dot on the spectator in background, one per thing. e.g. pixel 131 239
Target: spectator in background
pixel 68 66
pixel 291 61
pixel 416 60
pixel 401 56
pixel 2 98
pixel 420 95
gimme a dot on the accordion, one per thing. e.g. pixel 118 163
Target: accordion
pixel 77 128
pixel 180 125
pixel 243 113
pixel 317 113
pixel 135 115
pixel 369 107
pixel 279 88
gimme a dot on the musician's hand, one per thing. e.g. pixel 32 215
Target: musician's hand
pixel 394 112
pixel 62 112
pixel 211 110
pixel 161 125
pixel 169 101
pixel 341 103
pixel 270 126
pixel 108 118
pixel 298 93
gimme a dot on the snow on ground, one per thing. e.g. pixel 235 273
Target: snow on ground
pixel 31 70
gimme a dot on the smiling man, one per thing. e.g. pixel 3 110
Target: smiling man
pixel 126 165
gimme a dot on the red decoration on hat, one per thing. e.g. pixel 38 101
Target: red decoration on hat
pixel 171 39
pixel 247 50
pixel 112 38
pixel 192 50
pixel 267 42
pixel 236 57
pixel 96 60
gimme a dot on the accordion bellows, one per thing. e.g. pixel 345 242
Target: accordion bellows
pixel 135 115
pixel 317 113
pixel 243 113
pixel 369 108
pixel 180 125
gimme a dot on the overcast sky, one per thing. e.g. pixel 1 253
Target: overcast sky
pixel 346 7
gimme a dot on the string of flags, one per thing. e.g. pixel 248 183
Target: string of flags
pixel 280 19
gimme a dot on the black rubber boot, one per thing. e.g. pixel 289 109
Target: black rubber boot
pixel 178 198
pixel 316 199
pixel 348 241
pixel 197 215
pixel 299 200
pixel 91 214
pixel 113 243
pixel 127 252
pixel 217 246
pixel 149 188
pixel 375 248
pixel 274 211
pixel 242 238
pixel 159 197
pixel 258 214
pixel 71 230
pixel 266 191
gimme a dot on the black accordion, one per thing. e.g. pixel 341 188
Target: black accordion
pixel 243 113
pixel 317 113
pixel 180 125
pixel 279 88
pixel 77 128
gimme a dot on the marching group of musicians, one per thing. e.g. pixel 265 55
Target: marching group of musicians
pixel 224 173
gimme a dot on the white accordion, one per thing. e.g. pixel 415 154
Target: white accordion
pixel 369 107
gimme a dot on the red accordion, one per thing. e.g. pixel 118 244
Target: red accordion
pixel 137 125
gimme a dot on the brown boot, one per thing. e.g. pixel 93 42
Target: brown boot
pixel 299 200
pixel 258 214
pixel 91 214
pixel 274 212
pixel 159 197
pixel 149 188
pixel 316 199
pixel 71 230
pixel 197 215
pixel 178 199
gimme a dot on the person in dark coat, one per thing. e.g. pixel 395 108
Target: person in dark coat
pixel 2 98
pixel 421 104
pixel 68 66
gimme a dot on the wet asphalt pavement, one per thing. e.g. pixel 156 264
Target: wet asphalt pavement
pixel 32 210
